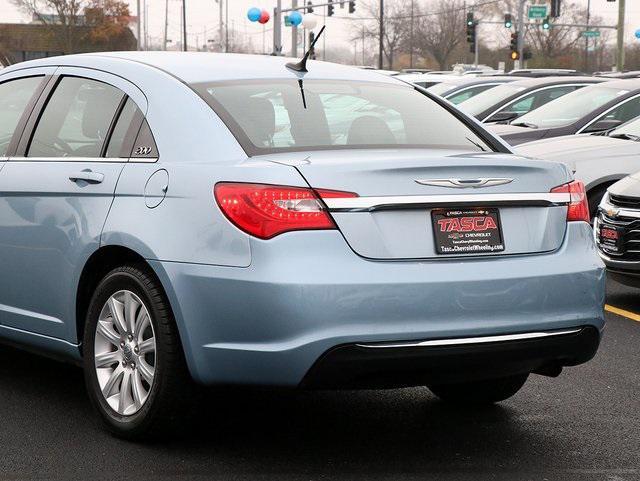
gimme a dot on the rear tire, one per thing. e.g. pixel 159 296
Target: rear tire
pixel 480 392
pixel 138 382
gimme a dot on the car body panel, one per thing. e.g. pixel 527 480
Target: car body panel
pixel 594 159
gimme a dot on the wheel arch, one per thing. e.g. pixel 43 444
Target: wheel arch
pixel 101 262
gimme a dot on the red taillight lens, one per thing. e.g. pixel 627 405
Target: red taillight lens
pixel 264 211
pixel 578 209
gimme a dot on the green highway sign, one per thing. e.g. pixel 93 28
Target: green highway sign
pixel 537 12
pixel 591 33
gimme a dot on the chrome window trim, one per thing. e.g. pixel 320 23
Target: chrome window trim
pixel 536 91
pixel 368 204
pixel 134 160
pixel 471 340
pixel 604 114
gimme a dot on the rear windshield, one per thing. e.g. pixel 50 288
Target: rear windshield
pixel 490 98
pixel 283 115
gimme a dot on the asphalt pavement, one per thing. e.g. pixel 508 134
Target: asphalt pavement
pixel 584 425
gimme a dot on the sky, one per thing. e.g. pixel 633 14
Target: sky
pixel 203 17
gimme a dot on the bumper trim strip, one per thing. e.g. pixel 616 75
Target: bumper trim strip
pixel 470 340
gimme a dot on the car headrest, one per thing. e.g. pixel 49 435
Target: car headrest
pixel 93 118
pixel 370 130
pixel 260 119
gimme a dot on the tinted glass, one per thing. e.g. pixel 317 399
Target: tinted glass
pixel 276 116
pixel 114 149
pixel 624 112
pixel 631 128
pixel 490 98
pixel 571 107
pixel 467 93
pixel 14 97
pixel 76 120
pixel 538 99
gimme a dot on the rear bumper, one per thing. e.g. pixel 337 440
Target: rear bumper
pixel 383 365
pixel 306 293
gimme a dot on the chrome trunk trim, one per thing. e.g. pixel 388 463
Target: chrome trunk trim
pixel 367 204
pixel 470 340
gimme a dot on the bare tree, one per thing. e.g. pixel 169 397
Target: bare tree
pixel 395 29
pixel 440 30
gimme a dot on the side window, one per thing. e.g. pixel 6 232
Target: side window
pixel 460 97
pixel 538 99
pixel 144 146
pixel 121 141
pixel 14 98
pixel 76 119
pixel 624 112
pixel 522 106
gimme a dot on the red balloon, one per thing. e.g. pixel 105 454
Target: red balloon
pixel 264 17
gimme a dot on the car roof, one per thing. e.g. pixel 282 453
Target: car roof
pixel 625 84
pixel 199 67
pixel 542 81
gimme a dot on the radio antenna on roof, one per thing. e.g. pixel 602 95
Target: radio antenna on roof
pixel 301 66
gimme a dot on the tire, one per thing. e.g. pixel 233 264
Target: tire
pixel 480 392
pixel 153 400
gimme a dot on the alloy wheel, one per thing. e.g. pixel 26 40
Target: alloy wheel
pixel 125 352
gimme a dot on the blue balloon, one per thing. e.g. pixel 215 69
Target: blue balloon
pixel 638 33
pixel 254 14
pixel 295 18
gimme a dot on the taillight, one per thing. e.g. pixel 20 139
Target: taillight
pixel 578 209
pixel 264 211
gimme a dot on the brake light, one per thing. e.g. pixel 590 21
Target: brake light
pixel 578 209
pixel 264 211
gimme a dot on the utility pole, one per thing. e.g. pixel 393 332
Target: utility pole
pixel 226 27
pixel 476 46
pixel 521 23
pixel 277 29
pixel 220 26
pixel 411 39
pixel 294 33
pixel 139 30
pixel 620 56
pixel 166 23
pixel 586 39
pixel 381 33
pixel 184 25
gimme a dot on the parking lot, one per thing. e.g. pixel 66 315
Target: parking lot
pixel 582 426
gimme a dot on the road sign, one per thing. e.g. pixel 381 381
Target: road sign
pixel 537 12
pixel 591 33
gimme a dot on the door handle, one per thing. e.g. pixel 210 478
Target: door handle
pixel 88 176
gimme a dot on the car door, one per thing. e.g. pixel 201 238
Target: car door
pixel 55 194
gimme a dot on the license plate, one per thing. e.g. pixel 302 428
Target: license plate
pixel 610 238
pixel 466 231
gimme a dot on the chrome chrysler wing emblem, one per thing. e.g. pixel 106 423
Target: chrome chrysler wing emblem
pixel 465 183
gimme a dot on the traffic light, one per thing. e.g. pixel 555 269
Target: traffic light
pixel 556 7
pixel 330 8
pixel 352 6
pixel 471 28
pixel 508 20
pixel 546 23
pixel 515 51
pixel 470 20
pixel 309 7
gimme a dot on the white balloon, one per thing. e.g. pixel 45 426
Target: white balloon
pixel 309 21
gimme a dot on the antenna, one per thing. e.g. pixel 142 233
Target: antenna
pixel 301 66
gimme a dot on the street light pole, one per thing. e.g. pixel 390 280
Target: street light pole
pixel 138 29
pixel 586 39
pixel 166 23
pixel 381 43
pixel 620 56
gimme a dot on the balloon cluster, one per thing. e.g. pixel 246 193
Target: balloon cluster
pixel 256 15
pixel 308 20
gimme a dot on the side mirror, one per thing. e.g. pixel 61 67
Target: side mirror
pixel 502 117
pixel 602 125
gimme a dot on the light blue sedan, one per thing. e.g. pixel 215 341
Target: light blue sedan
pixel 168 218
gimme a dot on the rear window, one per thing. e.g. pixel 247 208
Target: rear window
pixel 283 116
